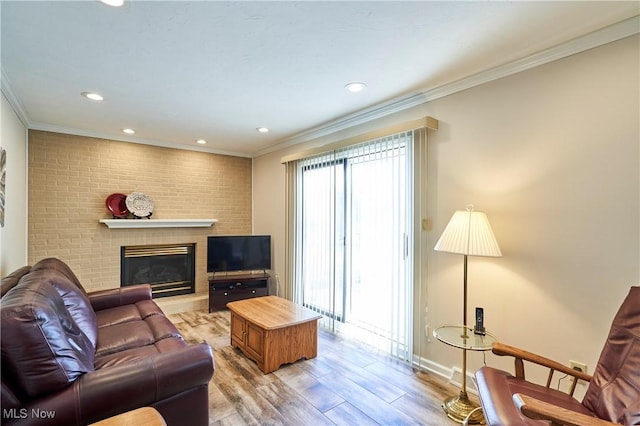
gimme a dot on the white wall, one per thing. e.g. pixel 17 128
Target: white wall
pixel 552 156
pixel 13 237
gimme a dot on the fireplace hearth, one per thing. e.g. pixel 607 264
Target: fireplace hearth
pixel 168 268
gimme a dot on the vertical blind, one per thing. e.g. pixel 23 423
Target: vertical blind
pixel 350 239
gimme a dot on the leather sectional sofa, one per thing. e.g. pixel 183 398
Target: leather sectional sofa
pixel 74 358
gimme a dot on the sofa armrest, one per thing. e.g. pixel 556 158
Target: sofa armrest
pixel 105 299
pixel 540 410
pixel 113 390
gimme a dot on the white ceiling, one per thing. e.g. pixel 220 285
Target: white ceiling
pixel 176 71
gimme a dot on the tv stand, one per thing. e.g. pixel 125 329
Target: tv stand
pixel 229 288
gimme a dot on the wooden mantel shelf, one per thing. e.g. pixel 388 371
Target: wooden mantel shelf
pixel 158 223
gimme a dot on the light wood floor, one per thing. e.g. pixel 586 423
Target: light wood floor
pixel 347 384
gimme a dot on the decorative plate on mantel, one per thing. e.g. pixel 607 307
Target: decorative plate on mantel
pixel 141 205
pixel 117 205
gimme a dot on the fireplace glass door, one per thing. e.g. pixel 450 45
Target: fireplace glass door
pixel 168 268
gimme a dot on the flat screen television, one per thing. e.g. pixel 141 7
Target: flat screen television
pixel 238 253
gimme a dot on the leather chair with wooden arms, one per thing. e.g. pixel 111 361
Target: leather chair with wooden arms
pixel 612 396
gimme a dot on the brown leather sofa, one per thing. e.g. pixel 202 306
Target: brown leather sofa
pixel 74 358
pixel 612 397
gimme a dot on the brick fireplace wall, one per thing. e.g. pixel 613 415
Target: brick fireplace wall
pixel 71 176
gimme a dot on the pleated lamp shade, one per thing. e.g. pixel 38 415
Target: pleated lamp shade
pixel 469 233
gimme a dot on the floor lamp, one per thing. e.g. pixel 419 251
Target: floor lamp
pixel 468 233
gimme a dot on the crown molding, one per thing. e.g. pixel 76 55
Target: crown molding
pixel 360 117
pixel 606 35
pixel 143 141
pixel 615 32
pixel 5 87
pixel 612 33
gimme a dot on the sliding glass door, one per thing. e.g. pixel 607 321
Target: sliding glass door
pixel 323 237
pixel 355 220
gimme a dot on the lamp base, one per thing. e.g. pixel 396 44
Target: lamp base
pixel 458 408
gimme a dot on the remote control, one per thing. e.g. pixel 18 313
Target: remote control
pixel 479 328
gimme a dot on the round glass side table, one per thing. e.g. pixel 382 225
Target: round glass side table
pixel 459 407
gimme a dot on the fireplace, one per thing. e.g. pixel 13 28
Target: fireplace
pixel 169 268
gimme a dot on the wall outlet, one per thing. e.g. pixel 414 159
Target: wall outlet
pixel 578 366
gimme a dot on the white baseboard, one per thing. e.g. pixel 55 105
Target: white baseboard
pixel 452 374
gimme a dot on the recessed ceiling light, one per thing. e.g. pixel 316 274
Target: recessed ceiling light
pixel 355 87
pixel 262 129
pixel 93 96
pixel 128 131
pixel 114 3
pixel 201 141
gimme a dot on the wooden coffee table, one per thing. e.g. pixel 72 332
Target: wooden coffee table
pixel 273 331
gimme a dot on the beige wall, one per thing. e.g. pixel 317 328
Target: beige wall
pixel 268 194
pixel 13 237
pixel 552 156
pixel 71 176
